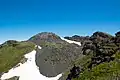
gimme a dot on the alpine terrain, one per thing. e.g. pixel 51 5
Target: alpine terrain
pixel 47 56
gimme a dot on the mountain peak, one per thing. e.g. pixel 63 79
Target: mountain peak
pixel 45 36
pixel 101 34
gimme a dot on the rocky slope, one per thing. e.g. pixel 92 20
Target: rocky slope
pixel 101 60
pixel 56 54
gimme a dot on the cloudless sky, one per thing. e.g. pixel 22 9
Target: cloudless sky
pixel 20 19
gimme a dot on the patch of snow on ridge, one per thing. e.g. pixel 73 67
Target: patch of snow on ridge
pixel 70 41
pixel 39 47
pixel 28 70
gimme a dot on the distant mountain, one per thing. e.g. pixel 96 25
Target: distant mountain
pixel 43 37
pixel 81 39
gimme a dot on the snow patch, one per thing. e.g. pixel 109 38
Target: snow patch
pixel 28 70
pixel 70 41
pixel 39 47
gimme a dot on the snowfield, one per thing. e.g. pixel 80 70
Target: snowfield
pixel 28 70
pixel 70 41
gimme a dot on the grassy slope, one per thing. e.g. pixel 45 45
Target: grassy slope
pixel 11 55
pixel 104 71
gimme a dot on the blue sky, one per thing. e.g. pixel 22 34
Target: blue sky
pixel 20 19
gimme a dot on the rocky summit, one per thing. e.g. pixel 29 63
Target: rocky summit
pixel 40 38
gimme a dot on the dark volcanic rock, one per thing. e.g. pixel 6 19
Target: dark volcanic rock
pixel 101 34
pixel 74 73
pixel 103 48
pixel 101 37
pixel 117 38
pixel 118 34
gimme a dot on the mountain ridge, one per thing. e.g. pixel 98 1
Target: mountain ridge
pixel 58 56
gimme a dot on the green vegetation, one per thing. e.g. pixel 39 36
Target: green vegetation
pixel 103 71
pixel 84 61
pixel 10 55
